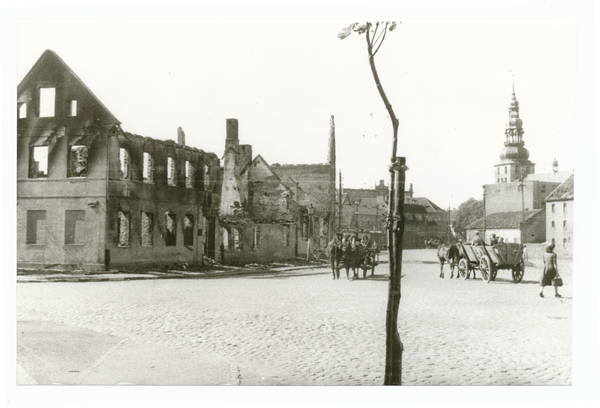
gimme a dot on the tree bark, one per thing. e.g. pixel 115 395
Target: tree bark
pixel 394 347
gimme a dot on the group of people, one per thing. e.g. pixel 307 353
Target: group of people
pixel 550 276
pixel 477 240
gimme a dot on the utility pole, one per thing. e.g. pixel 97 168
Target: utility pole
pixel 484 215
pixel 340 204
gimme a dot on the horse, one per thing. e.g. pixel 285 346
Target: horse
pixel 433 243
pixel 448 253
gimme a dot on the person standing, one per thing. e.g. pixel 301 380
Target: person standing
pixel 493 240
pixel 550 271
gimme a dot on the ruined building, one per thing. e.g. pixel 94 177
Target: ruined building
pixel 92 196
pixel 270 212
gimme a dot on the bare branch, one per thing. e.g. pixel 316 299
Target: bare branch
pixel 381 42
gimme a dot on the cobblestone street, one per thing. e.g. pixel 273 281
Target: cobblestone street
pixel 303 328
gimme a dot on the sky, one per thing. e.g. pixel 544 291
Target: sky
pixel 450 85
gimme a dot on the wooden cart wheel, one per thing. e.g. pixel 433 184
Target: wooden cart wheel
pixel 486 267
pixel 518 271
pixel 463 268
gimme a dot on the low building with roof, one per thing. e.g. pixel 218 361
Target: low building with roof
pixel 514 226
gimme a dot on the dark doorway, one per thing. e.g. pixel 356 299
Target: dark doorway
pixel 210 239
pixel 107 259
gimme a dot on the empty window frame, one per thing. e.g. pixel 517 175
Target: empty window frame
pixel 225 235
pixel 189 174
pixel 72 108
pixel 171 230
pixel 206 177
pixel 237 239
pixel 123 226
pixel 74 227
pixel 36 227
pixel 286 235
pixel 188 230
pixel 148 170
pixel 256 237
pixel 171 172
pixel 21 110
pixel 47 99
pixel 78 161
pixel 38 162
pixel 147 229
pixel 124 172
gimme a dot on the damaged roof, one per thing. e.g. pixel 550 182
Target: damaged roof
pixel 48 58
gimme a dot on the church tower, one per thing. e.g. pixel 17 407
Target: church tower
pixel 514 158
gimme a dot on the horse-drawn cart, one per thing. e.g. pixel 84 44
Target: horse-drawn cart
pixel 489 259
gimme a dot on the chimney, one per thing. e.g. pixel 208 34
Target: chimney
pixel 232 129
pixel 180 136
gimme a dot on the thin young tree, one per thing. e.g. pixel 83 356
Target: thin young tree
pixel 375 34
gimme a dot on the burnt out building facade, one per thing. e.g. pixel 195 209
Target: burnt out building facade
pixel 274 212
pixel 91 196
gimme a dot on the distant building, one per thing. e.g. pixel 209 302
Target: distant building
pixel 559 217
pixel 364 210
pixel 91 196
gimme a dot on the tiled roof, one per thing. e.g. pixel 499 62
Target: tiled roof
pixel 566 191
pixel 502 220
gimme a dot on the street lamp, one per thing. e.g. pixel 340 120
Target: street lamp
pixel 311 211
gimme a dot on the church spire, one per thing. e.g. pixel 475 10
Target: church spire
pixel 515 164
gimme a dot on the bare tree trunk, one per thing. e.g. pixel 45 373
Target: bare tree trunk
pixel 394 347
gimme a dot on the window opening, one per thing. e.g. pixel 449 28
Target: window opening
pixel 36 227
pixel 564 242
pixel 147 229
pixel 188 230
pixel 553 226
pixel 171 233
pixel 72 108
pixel 225 235
pixel 237 242
pixel 553 207
pixel 148 170
pixel 74 227
pixel 123 227
pixel 124 163
pixel 206 177
pixel 78 161
pixel 189 174
pixel 565 225
pixel 286 235
pixel 256 237
pixel 22 109
pixel 47 98
pixel 564 207
pixel 38 163
pixel 171 180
